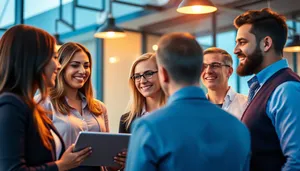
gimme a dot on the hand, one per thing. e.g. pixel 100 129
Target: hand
pixel 71 159
pixel 121 160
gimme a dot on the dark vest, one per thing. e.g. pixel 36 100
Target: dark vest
pixel 266 151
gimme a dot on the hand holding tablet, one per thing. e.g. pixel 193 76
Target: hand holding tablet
pixel 106 146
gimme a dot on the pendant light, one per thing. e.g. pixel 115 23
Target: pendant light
pixel 196 7
pixel 294 45
pixel 109 30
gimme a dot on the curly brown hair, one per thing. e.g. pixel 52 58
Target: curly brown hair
pixel 265 22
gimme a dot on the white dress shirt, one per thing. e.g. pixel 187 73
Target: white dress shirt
pixel 234 103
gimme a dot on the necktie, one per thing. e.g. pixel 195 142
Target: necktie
pixel 254 85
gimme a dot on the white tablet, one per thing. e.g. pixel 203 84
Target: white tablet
pixel 105 146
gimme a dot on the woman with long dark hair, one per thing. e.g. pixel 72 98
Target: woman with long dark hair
pixel 29 141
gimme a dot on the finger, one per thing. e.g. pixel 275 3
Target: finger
pixel 70 149
pixel 120 159
pixel 84 156
pixel 122 155
pixel 121 164
pixel 84 151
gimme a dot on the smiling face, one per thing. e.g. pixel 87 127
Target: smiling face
pixel 215 73
pixel 51 70
pixel 148 87
pixel 248 51
pixel 77 70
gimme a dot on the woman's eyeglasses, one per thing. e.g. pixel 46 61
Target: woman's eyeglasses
pixel 147 75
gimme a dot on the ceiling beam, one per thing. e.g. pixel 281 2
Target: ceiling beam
pixel 183 19
pixel 234 7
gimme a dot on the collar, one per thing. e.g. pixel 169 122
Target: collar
pixel 267 72
pixel 82 97
pixel 188 92
pixel 144 112
pixel 229 95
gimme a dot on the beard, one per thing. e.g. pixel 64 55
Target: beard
pixel 251 63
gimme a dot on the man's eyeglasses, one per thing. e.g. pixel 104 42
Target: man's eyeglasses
pixel 147 75
pixel 214 65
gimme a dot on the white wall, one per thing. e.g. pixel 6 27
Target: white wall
pixel 116 75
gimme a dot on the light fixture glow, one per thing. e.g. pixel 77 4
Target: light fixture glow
pixel 155 47
pixel 110 34
pixel 196 7
pixel 113 60
pixel 292 49
pixel 294 45
pixel 110 30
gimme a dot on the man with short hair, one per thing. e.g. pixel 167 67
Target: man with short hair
pixel 272 115
pixel 189 133
pixel 217 68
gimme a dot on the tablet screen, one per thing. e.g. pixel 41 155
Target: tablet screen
pixel 105 146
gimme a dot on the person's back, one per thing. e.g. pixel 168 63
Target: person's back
pixel 191 133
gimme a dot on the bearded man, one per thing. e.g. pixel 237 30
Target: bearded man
pixel 272 115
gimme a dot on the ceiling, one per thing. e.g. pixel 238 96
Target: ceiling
pixel 168 20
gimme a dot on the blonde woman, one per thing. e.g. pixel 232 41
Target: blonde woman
pixel 71 100
pixel 146 93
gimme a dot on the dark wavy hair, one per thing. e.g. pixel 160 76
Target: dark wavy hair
pixel 24 53
pixel 265 22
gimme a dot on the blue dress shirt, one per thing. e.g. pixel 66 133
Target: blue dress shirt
pixel 282 109
pixel 189 133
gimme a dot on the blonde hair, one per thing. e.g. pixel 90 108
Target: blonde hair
pixel 227 59
pixel 137 100
pixel 57 93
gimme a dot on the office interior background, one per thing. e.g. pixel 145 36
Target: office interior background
pixel 144 21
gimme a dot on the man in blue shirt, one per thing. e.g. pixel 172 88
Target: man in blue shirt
pixel 272 115
pixel 189 133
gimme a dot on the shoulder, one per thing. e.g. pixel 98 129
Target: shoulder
pixel 37 98
pixel 287 89
pixel 236 96
pixel 241 98
pixel 124 116
pixel 289 86
pixel 12 106
pixel 287 92
pixel 45 103
pixel 12 99
pixel 284 99
pixel 157 117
